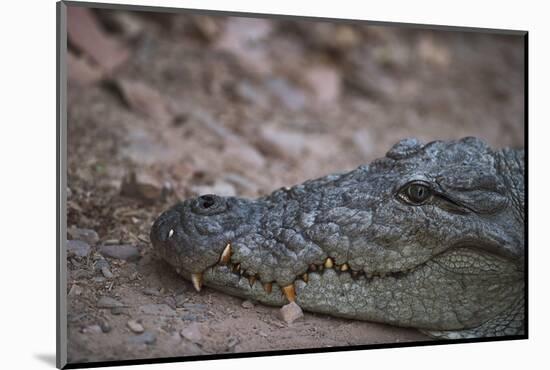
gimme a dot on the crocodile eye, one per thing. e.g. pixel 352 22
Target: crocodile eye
pixel 415 193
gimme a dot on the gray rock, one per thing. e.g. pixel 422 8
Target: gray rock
pixel 144 338
pixel 119 311
pixel 75 290
pixel 78 248
pixel 192 333
pixel 123 252
pixel 291 312
pixel 92 329
pixel 282 143
pixel 157 310
pixel 87 235
pixel 108 302
pixel 135 326
pixel 105 326
pixel 107 273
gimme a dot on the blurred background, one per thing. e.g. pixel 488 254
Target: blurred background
pixel 162 107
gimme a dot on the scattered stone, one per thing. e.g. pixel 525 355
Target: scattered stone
pixel 151 291
pixel 135 326
pixel 262 334
pixel 291 312
pixel 108 302
pixel 119 311
pixel 326 83
pixel 144 99
pixel 282 143
pixel 243 154
pixel 192 333
pixel 87 235
pixel 157 310
pixel 144 338
pixel 247 304
pixel 105 326
pixel 78 248
pixel 124 252
pixel 141 186
pixel 75 290
pixel 180 300
pixel 291 96
pixel 107 273
pixel 92 329
pixel 170 301
pixel 363 140
pixel 99 279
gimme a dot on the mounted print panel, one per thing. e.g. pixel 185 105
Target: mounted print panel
pixel 244 184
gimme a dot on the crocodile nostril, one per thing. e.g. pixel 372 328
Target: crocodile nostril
pixel 207 201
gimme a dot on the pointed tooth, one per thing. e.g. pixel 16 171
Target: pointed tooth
pixel 252 280
pixel 305 277
pixel 226 255
pixel 344 267
pixel 329 263
pixel 289 292
pixel 197 281
pixel 268 287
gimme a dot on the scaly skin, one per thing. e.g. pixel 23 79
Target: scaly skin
pixel 430 237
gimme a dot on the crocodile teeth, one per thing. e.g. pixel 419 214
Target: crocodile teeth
pixel 237 268
pixel 344 267
pixel 251 280
pixel 197 281
pixel 170 233
pixel 305 277
pixel 289 292
pixel 226 255
pixel 268 287
pixel 329 263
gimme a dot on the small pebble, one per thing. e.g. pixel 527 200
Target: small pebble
pixel 119 311
pixel 108 302
pixel 144 338
pixel 87 235
pixel 124 252
pixel 170 301
pixel 92 329
pixel 157 310
pixel 78 248
pixel 191 333
pixel 105 326
pixel 107 273
pixel 75 290
pixel 135 326
pixel 291 312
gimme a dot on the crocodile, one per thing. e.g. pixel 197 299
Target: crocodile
pixel 431 237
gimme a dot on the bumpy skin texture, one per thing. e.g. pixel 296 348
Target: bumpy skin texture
pixel 430 236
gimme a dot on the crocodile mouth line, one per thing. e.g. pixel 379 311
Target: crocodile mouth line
pixel 289 292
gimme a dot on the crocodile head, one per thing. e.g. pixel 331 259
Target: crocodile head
pixel 430 236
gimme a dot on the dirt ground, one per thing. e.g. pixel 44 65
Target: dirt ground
pixel 162 107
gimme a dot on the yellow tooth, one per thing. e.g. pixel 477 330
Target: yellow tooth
pixel 251 280
pixel 305 277
pixel 329 263
pixel 226 255
pixel 289 292
pixel 237 268
pixel 344 267
pixel 197 281
pixel 268 287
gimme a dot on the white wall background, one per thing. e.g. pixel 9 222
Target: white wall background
pixel 27 182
